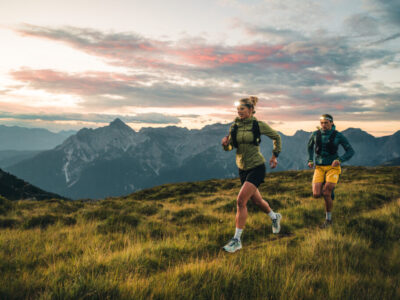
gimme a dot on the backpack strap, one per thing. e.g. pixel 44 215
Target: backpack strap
pixel 234 135
pixel 331 147
pixel 318 142
pixel 256 133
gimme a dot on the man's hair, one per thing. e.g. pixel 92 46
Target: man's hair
pixel 327 117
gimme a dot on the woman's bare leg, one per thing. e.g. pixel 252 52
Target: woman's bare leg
pixel 246 192
pixel 260 202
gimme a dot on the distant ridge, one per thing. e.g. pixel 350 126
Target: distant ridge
pixel 14 188
pixel 392 162
pixel 23 139
pixel 116 160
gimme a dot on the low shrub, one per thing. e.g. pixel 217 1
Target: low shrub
pixel 187 212
pixel 68 221
pixel 118 223
pixel 5 205
pixel 42 221
pixel 203 219
pixel 98 214
pixel 157 230
pixel 8 223
pixel 149 209
pixel 375 230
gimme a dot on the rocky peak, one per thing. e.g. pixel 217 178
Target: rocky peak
pixel 118 124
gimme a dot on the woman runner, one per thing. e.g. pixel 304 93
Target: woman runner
pixel 244 135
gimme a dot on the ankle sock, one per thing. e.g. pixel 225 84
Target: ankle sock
pixel 329 216
pixel 238 234
pixel 272 215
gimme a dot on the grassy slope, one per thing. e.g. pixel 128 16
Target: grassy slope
pixel 165 243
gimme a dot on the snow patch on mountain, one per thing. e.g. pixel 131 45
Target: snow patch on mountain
pixel 66 164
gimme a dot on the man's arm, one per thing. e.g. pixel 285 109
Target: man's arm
pixel 310 148
pixel 349 151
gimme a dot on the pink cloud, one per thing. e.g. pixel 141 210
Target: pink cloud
pixel 135 51
pixel 88 83
pixel 215 56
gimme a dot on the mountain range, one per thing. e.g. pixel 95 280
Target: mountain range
pixel 28 139
pixel 116 160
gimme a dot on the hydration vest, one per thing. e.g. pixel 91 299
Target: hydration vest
pixel 330 146
pixel 256 134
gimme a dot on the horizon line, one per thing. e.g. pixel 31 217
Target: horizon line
pixel 183 127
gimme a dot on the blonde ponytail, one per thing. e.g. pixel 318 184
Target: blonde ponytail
pixel 249 102
pixel 253 100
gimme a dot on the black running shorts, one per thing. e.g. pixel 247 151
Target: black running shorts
pixel 255 175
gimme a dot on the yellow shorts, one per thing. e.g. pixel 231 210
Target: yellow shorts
pixel 326 174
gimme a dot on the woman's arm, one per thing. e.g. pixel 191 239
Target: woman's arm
pixel 226 141
pixel 265 129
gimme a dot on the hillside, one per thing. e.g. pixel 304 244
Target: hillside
pixel 11 157
pixel 14 188
pixel 165 243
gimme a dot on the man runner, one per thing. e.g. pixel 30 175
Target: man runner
pixel 325 142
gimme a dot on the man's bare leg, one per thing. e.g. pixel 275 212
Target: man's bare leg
pixel 327 192
pixel 317 189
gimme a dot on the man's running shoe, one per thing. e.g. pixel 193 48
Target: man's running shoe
pixel 276 223
pixel 326 224
pixel 233 246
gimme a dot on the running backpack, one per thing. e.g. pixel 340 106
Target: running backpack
pixel 330 146
pixel 256 134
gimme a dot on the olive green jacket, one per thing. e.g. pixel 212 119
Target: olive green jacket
pixel 248 155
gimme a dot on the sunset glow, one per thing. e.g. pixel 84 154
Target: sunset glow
pixel 185 66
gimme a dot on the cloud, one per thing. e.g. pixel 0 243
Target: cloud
pixel 274 34
pixel 154 118
pixel 390 10
pixel 113 89
pixel 289 13
pixel 185 57
pixel 293 70
pixel 389 38
pixel 89 83
pixel 275 123
pixel 362 24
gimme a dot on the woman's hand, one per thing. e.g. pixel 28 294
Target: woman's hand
pixel 335 163
pixel 310 165
pixel 273 162
pixel 225 141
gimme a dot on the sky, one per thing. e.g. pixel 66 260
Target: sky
pixel 72 64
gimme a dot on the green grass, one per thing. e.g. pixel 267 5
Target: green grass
pixel 165 243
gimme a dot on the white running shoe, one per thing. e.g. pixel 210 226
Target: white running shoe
pixel 276 223
pixel 233 245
